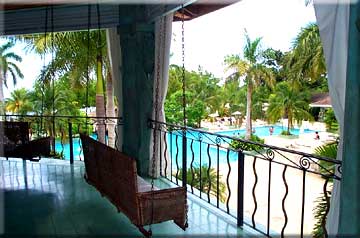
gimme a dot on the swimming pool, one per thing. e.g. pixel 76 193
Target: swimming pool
pixel 262 131
pixel 197 147
pixel 65 148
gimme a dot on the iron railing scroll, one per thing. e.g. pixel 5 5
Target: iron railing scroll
pixel 274 198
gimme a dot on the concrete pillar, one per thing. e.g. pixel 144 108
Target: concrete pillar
pixel 137 46
pixel 349 223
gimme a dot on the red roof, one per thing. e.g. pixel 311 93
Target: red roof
pixel 320 100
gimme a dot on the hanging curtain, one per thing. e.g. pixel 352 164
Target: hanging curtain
pixel 163 32
pixel 114 53
pixel 333 21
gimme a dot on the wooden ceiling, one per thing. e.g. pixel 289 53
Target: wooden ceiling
pixel 196 10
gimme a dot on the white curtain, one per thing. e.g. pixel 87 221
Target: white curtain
pixel 333 21
pixel 163 33
pixel 114 52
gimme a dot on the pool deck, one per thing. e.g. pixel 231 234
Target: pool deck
pixel 304 142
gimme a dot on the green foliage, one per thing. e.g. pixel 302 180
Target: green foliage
pixel 290 103
pixel 329 151
pixel 195 112
pixel 235 96
pixel 319 213
pixel 285 133
pixel 8 69
pixel 8 64
pixel 49 99
pixel 273 58
pixel 19 102
pixel 203 94
pixel 306 61
pixel 193 177
pixel 239 145
pixel 260 96
pixel 173 108
pixel 250 69
pixel 78 89
pixel 77 57
pixel 330 120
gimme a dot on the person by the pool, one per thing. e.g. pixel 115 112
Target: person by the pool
pixel 317 136
pixel 271 130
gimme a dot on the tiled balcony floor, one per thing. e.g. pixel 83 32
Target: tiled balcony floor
pixel 51 199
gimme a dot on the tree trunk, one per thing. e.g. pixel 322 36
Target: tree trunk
pixel 248 112
pixel 100 101
pixel 288 126
pixel 110 110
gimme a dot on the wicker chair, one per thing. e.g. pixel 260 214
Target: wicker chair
pixel 16 142
pixel 114 175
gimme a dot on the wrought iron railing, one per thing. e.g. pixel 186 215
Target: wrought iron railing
pixel 269 188
pixel 65 131
pixel 272 189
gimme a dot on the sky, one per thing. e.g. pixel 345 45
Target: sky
pixel 208 39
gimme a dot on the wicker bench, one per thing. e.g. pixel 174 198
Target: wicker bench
pixel 16 143
pixel 114 175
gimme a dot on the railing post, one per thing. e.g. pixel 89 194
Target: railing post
pixel 71 144
pixel 240 189
pixel 54 133
pixel 184 157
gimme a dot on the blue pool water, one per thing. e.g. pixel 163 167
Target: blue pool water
pixel 65 149
pixel 262 131
pixel 200 151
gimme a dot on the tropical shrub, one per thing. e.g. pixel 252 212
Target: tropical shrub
pixel 239 145
pixel 330 120
pixel 285 133
pixel 319 213
pixel 329 151
pixel 193 178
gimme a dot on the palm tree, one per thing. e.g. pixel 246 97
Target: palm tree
pixel 288 102
pixel 43 99
pixel 306 61
pixel 8 67
pixel 19 102
pixel 252 71
pixel 78 56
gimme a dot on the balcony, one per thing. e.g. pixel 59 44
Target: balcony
pixel 51 198
pixel 267 191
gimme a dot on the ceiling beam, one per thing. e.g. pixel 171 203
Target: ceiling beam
pixel 29 18
pixel 66 18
